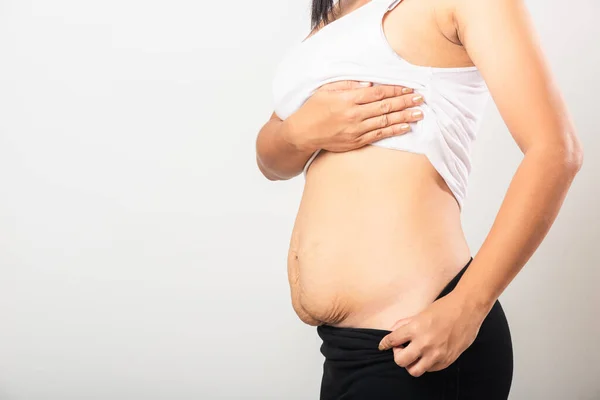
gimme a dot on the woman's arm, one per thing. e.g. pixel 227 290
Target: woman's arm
pixel 276 157
pixel 499 38
pixel 340 116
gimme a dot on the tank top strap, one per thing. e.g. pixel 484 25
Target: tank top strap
pixel 391 3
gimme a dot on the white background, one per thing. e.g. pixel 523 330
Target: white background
pixel 142 254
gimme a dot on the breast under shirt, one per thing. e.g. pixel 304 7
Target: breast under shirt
pixel 354 47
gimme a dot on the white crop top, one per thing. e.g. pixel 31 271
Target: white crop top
pixel 354 47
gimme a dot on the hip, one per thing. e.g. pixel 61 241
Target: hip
pixel 355 369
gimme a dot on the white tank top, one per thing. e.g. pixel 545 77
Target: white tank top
pixel 354 47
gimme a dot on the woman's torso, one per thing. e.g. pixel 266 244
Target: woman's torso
pixel 378 231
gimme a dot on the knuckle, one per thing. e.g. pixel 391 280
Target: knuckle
pixel 356 98
pixel 444 362
pixel 396 130
pixel 378 92
pixel 398 360
pixel 350 115
pixel 421 350
pixel 415 326
pixel 385 107
pixel 350 131
pixel 379 133
pixel 357 141
pixel 387 341
pixel 348 135
pixel 427 345
pixel 384 121
pixel 345 96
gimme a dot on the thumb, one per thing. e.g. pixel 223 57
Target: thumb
pixel 344 85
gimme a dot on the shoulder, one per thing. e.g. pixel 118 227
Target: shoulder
pixel 485 8
pixel 481 16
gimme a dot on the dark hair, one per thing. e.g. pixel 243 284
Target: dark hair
pixel 321 12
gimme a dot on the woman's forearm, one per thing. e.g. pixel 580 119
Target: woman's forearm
pixel 530 207
pixel 276 156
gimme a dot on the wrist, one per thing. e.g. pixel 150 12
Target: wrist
pixel 293 137
pixel 472 302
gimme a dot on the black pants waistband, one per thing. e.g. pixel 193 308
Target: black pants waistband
pixel 367 338
pixel 355 369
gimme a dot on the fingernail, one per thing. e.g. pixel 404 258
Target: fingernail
pixel 404 126
pixel 417 99
pixel 365 83
pixel 380 347
pixel 417 114
pixel 406 90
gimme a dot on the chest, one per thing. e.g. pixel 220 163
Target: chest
pixel 382 41
pixel 420 31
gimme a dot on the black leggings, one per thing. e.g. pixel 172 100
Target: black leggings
pixel 355 369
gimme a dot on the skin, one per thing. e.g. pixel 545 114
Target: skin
pixel 341 116
pixel 496 36
pixel 499 38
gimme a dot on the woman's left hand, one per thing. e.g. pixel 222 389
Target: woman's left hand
pixel 438 335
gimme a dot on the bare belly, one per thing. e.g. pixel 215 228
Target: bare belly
pixel 377 237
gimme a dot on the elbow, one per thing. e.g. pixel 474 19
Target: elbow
pixel 576 161
pixel 569 155
pixel 564 156
pixel 270 176
pixel 573 154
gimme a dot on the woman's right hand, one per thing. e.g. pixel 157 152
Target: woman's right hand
pixel 346 115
